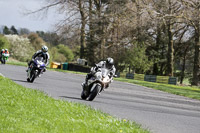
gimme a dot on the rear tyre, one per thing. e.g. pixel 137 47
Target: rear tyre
pixel 94 92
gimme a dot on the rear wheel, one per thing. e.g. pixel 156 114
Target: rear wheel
pixel 94 92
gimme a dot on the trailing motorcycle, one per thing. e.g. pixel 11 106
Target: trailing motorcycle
pixel 96 84
pixel 35 68
pixel 4 58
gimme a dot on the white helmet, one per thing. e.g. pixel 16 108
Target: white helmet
pixel 44 49
pixel 2 50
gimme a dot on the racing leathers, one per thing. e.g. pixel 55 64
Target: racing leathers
pixel 44 55
pixel 101 64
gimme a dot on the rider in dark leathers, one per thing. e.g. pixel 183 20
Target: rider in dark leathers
pixel 41 53
pixel 2 51
pixel 109 64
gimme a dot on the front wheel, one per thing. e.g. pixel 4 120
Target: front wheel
pixel 83 95
pixel 4 61
pixel 94 92
pixel 32 76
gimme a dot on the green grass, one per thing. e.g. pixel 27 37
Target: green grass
pixel 28 110
pixel 11 62
pixel 60 70
pixel 187 91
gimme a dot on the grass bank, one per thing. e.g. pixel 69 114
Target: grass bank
pixel 187 91
pixel 28 110
pixel 17 63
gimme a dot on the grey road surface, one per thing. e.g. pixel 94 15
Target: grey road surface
pixel 157 111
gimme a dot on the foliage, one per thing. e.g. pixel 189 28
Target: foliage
pixel 13 30
pixel 62 49
pixel 4 43
pixel 61 53
pixel 28 110
pixel 36 41
pixel 136 58
pixel 49 37
pixel 6 30
pixel 20 47
pixel 24 31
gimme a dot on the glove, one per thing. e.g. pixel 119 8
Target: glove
pixel 111 73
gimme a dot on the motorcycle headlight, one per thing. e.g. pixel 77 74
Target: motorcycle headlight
pixel 38 65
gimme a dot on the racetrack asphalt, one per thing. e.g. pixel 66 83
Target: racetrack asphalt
pixel 155 110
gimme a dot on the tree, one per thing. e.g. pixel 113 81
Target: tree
pixel 136 58
pixel 66 51
pixel 192 17
pixel 4 43
pixel 13 30
pixel 24 31
pixel 20 47
pixel 6 30
pixel 49 37
pixel 36 41
pixel 83 24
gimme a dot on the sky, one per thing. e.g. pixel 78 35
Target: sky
pixel 12 13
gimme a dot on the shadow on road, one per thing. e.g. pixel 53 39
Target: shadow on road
pixel 19 80
pixel 71 97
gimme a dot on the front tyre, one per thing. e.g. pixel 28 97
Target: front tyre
pixel 94 92
pixel 28 79
pixel 83 95
pixel 3 61
pixel 32 76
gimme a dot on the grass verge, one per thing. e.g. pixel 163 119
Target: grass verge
pixel 187 91
pixel 28 110
pixel 15 62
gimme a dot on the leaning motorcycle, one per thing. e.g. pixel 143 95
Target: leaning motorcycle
pixel 35 68
pixel 4 58
pixel 96 84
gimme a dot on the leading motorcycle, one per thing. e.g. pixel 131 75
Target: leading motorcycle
pixel 35 68
pixel 4 58
pixel 96 84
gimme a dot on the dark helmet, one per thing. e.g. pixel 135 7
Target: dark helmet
pixel 109 62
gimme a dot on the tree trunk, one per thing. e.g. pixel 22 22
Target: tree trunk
pixel 195 79
pixel 83 23
pixel 156 48
pixel 138 21
pixel 170 52
pixel 100 33
pixel 91 45
pixel 103 40
pixel 183 66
